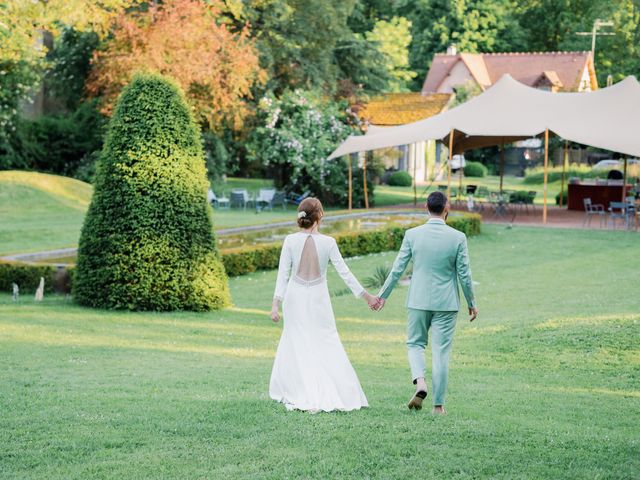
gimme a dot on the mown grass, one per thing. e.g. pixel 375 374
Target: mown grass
pixel 544 385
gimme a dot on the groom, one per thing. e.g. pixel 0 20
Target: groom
pixel 440 262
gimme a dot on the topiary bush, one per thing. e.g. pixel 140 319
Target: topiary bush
pixel 147 242
pixel 400 179
pixel 475 169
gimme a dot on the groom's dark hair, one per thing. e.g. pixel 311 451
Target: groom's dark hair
pixel 436 202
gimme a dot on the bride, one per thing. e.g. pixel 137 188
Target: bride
pixel 311 371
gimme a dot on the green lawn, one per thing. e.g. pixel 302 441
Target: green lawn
pixel 544 385
pixel 40 212
pixel 386 195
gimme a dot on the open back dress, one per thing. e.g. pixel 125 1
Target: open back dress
pixel 311 370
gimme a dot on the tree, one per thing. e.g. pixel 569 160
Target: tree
pixel 392 39
pixel 558 21
pixel 295 135
pixel 147 242
pixel 184 40
pixel 23 28
pixel 473 25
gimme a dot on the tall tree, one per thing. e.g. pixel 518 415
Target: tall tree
pixel 392 38
pixel 473 25
pixel 184 40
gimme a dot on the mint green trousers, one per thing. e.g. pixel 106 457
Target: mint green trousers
pixel 442 326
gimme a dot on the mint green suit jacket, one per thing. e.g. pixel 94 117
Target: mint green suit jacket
pixel 440 264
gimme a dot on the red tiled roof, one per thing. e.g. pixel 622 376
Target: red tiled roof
pixel 523 67
pixel 400 108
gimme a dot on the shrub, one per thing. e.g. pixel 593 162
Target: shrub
pixel 61 143
pixel 475 169
pixel 400 179
pixel 147 241
pixel 26 276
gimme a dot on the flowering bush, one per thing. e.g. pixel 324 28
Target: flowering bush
pixel 295 135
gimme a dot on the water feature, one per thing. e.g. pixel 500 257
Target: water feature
pixel 266 234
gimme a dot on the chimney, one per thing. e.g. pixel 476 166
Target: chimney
pixel 452 50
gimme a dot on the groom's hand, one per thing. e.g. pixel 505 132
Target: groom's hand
pixel 474 313
pixel 380 303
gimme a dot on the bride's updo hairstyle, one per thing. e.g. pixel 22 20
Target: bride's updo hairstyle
pixel 309 212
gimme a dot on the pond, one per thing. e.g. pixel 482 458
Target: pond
pixel 268 234
pixel 330 226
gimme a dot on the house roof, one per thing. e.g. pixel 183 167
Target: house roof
pixel 526 68
pixel 400 108
pixel 549 77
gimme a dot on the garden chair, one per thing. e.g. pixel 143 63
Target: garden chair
pixel 239 199
pixel 591 210
pixel 618 210
pixel 264 199
pixel 296 199
pixel 211 198
pixel 279 198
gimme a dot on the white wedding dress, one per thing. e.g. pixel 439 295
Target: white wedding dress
pixel 311 370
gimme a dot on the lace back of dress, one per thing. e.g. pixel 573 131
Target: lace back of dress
pixel 309 266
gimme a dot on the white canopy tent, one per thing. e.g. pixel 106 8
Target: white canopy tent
pixel 608 118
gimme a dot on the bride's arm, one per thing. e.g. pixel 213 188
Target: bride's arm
pixel 343 270
pixel 284 270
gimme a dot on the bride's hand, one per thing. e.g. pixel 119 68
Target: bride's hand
pixel 371 300
pixel 275 312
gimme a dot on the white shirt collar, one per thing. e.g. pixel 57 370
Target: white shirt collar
pixel 436 220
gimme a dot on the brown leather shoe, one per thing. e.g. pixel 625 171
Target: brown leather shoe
pixel 416 400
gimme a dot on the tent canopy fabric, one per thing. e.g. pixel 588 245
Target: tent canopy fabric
pixel 608 118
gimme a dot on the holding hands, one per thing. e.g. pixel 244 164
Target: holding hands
pixel 375 303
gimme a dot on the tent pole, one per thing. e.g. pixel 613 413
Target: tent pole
pixel 624 180
pixel 415 178
pixel 565 159
pixel 460 172
pixel 364 180
pixel 449 166
pixel 546 174
pixel 350 174
pixel 501 163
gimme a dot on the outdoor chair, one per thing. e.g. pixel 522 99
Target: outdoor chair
pixel 618 210
pixel 217 202
pixel 279 198
pixel 239 199
pixel 223 201
pixel 212 199
pixel 296 199
pixel 265 199
pixel 591 210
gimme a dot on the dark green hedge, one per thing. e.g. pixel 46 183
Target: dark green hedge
pixel 147 242
pixel 245 260
pixel 475 169
pixel 400 179
pixel 27 277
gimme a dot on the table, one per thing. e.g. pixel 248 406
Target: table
pixel 599 194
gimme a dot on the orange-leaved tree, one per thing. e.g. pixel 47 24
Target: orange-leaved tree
pixel 185 40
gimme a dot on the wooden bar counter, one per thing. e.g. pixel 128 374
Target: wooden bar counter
pixel 599 193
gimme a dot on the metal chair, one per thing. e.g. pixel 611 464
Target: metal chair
pixel 296 199
pixel 238 199
pixel 591 210
pixel 279 198
pixel 618 210
pixel 264 200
